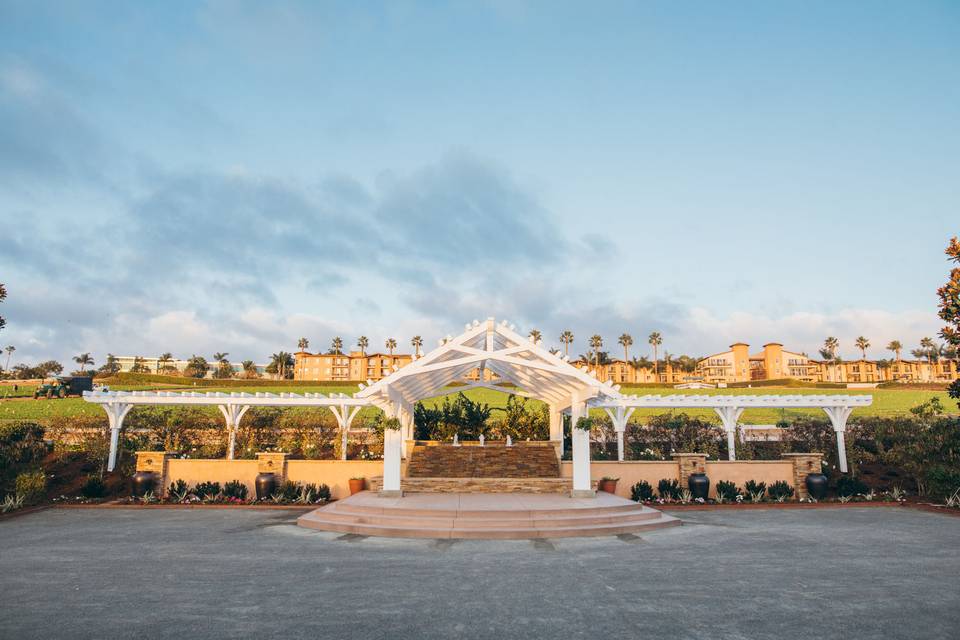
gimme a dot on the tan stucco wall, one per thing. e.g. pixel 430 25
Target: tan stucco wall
pixel 739 471
pixel 333 473
pixel 193 471
pixel 629 472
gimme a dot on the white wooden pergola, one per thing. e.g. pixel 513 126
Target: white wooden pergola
pixel 729 408
pixel 233 406
pixel 512 358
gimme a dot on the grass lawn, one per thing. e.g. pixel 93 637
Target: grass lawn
pixel 886 402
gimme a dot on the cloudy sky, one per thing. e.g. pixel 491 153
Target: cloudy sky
pixel 198 177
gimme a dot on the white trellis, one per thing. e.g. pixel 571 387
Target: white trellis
pixel 729 408
pixel 484 346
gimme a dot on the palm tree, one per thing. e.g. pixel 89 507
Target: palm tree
pixel 655 341
pixel 596 341
pixel 281 362
pixel 83 360
pixel 223 366
pixel 303 344
pixel 926 344
pixel 567 339
pixel 363 343
pixel 138 365
pixel 416 342
pixel 390 344
pixel 10 349
pixel 831 347
pixel 336 345
pixel 535 336
pixel 249 369
pixel 896 347
pixel 642 362
pixel 163 360
pixel 863 344
pixel 626 341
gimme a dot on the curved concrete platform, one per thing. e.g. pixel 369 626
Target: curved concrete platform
pixel 502 516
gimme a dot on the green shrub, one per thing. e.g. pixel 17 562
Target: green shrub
pixel 207 489
pixel 289 491
pixel 669 489
pixel 755 490
pixel 942 481
pixel 32 486
pixel 93 487
pixel 780 491
pixel 727 490
pixel 641 492
pixel 850 486
pixel 179 487
pixel 235 489
pixel 21 443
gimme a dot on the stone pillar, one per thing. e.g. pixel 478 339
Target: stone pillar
pixel 690 463
pixel 273 462
pixel 803 465
pixel 156 462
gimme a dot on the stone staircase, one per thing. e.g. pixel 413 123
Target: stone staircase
pixel 476 516
pixel 493 460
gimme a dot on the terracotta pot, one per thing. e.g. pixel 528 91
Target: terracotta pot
pixel 699 485
pixel 356 485
pixel 817 485
pixel 266 484
pixel 143 481
pixel 610 486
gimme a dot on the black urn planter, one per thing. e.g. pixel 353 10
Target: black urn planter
pixel 817 486
pixel 266 484
pixel 699 485
pixel 143 481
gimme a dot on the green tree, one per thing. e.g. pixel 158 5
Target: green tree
pixel 949 308
pixel 336 345
pixel 416 342
pixel 363 342
pixel 139 365
pixel 596 341
pixel 626 341
pixel 566 338
pixel 535 336
pixel 163 362
pixel 303 344
pixel 655 340
pixel 111 367
pixel 390 344
pixel 896 346
pixel 281 365
pixel 9 349
pixel 863 344
pixel 83 360
pixel 224 370
pixel 197 367
pixel 250 369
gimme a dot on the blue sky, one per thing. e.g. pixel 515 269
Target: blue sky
pixel 195 177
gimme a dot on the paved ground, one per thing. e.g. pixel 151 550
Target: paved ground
pixel 831 573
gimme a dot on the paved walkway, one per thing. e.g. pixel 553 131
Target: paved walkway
pixel 486 501
pixel 831 573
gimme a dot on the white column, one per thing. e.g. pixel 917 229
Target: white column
pixel 729 417
pixel 232 414
pixel 115 415
pixel 556 426
pixel 582 485
pixel 838 418
pixel 392 451
pixel 619 416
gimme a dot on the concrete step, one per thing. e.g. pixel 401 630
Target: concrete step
pixel 611 516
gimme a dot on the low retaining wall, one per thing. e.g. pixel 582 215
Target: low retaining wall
pixel 738 471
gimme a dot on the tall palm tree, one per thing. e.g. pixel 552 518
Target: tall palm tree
pixel 655 340
pixel 10 349
pixel 138 365
pixel 831 349
pixel 896 347
pixel 416 342
pixel 281 362
pixel 363 343
pixel 83 360
pixel 223 366
pixel 336 345
pixel 163 360
pixel 926 344
pixel 249 369
pixel 567 339
pixel 626 341
pixel 863 344
pixel 535 336
pixel 303 344
pixel 596 341
pixel 390 344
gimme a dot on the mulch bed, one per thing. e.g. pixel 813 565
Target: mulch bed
pixel 773 505
pixel 129 505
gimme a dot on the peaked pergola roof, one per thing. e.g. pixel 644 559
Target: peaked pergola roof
pixel 489 346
